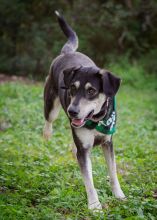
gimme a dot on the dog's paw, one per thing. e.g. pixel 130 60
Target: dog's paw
pixel 47 132
pixel 119 194
pixel 95 206
pixel 47 135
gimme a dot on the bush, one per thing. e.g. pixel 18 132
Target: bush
pixel 31 38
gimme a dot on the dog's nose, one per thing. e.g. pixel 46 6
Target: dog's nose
pixel 73 111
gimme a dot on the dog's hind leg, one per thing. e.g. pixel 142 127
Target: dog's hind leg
pixel 111 164
pixel 84 141
pixel 51 109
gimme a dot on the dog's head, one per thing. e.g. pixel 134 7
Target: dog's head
pixel 89 88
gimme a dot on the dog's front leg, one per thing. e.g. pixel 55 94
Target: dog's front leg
pixel 110 159
pixel 84 141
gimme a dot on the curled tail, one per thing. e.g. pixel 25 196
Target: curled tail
pixel 72 44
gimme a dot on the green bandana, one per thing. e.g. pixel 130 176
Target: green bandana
pixel 108 124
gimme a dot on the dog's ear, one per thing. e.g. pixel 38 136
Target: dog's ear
pixel 111 83
pixel 69 74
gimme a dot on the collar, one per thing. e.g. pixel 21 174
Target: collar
pixel 107 123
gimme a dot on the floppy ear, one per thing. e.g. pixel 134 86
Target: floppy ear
pixel 111 83
pixel 69 74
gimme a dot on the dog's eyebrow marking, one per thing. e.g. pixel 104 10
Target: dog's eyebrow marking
pixel 88 85
pixel 77 84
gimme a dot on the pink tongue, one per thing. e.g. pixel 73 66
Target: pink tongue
pixel 77 122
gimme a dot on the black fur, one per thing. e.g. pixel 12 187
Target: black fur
pixel 65 70
pixel 111 84
pixel 72 42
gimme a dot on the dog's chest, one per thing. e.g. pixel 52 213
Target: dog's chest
pixel 91 137
pixel 101 137
pixel 97 134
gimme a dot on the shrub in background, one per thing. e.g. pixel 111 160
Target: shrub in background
pixel 30 36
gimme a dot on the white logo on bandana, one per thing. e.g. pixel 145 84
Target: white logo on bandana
pixel 110 121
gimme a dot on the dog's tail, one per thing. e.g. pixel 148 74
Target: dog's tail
pixel 72 44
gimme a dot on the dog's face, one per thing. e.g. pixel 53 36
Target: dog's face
pixel 88 88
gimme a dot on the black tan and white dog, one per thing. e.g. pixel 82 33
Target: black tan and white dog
pixel 87 95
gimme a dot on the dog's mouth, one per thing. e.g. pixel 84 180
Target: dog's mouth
pixel 77 123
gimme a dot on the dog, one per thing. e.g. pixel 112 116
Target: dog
pixel 87 95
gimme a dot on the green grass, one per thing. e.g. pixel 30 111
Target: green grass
pixel 41 180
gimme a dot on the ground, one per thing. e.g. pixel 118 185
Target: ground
pixel 41 180
pixel 13 78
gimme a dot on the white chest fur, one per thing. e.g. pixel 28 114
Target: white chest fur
pixel 87 136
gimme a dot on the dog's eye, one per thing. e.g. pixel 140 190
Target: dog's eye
pixel 73 90
pixel 91 91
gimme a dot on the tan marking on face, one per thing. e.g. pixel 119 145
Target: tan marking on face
pixel 88 85
pixel 103 71
pixel 77 84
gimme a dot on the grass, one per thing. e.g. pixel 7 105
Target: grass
pixel 41 180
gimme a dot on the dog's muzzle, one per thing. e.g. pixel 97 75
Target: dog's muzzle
pixel 73 111
pixel 79 122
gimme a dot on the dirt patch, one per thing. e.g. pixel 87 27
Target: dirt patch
pixel 5 78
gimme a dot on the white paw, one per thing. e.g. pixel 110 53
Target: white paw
pixel 95 206
pixel 47 132
pixel 47 135
pixel 119 194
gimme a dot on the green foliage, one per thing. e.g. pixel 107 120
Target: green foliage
pixel 149 62
pixel 41 180
pixel 135 73
pixel 30 35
